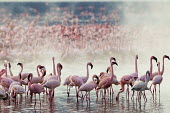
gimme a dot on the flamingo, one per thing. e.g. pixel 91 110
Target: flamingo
pixel 51 76
pixel 55 82
pixel 5 81
pixel 77 81
pixel 143 77
pixel 141 86
pixel 23 75
pixel 20 82
pixel 3 94
pixel 67 82
pixel 125 80
pixel 15 78
pixel 40 78
pixel 34 88
pixel 87 87
pixel 107 81
pixel 157 80
pixel 161 72
pixel 17 89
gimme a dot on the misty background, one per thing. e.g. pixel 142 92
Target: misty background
pixel 147 22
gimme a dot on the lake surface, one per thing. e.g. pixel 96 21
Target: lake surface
pixel 62 103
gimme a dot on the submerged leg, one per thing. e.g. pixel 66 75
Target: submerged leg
pixel 122 90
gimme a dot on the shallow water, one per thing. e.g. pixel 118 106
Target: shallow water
pixel 62 103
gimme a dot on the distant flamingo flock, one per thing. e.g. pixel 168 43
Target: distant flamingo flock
pixel 102 83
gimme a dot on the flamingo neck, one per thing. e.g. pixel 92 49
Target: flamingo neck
pixel 6 71
pixel 21 69
pixel 19 80
pixel 87 73
pixel 159 73
pixel 59 74
pixel 112 71
pixel 38 72
pixel 29 85
pixel 54 71
pixel 150 67
pixel 146 79
pixel 136 65
pixel 10 72
pixel 162 67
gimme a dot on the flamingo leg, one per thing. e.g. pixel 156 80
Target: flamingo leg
pixel 155 90
pixel 122 90
pixel 159 89
pixel 39 99
pixel 97 93
pixel 133 95
pixel 127 93
pixel 35 98
pixel 68 91
pixel 46 91
pixel 76 93
pixel 53 93
pixel 89 96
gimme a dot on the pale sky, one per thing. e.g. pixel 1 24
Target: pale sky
pixel 73 0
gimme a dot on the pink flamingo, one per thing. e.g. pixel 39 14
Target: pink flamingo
pixel 141 86
pixel 53 83
pixel 67 82
pixel 107 81
pixel 125 80
pixel 157 80
pixel 77 81
pixel 23 75
pixel 5 81
pixel 87 87
pixel 34 88
pixel 40 78
pixel 143 77
pixel 20 82
pixel 161 72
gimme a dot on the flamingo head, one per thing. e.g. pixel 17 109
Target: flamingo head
pixel 59 66
pixel 53 58
pixel 108 69
pixel 136 56
pixel 114 63
pixel 166 56
pixel 39 66
pixel 90 64
pixel 44 73
pixel 30 76
pixel 112 58
pixel 148 73
pixel 96 79
pixel 20 64
pixel 153 57
pixel 101 74
pixel 158 64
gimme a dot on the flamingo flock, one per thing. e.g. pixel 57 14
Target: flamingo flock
pixel 102 83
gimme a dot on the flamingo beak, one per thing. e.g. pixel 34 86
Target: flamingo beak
pixel 135 78
pixel 166 56
pixel 155 59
